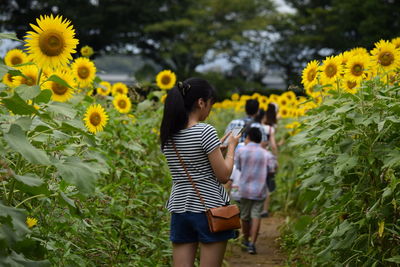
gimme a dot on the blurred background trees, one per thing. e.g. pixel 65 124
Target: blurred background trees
pixel 246 40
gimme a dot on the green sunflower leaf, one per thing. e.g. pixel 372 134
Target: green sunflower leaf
pixel 57 79
pixel 44 96
pixel 17 140
pixel 28 92
pixel 18 106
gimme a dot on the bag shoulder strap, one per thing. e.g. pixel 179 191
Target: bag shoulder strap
pixel 188 175
pixel 247 124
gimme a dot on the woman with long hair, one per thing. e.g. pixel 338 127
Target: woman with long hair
pixel 189 144
pixel 269 120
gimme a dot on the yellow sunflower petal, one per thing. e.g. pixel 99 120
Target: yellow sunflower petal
pixel 61 93
pixel 95 118
pixel 166 79
pixel 122 103
pixel 119 88
pixel 52 42
pixel 15 57
pixel 84 71
pixel 30 77
pixel 386 56
pixel 104 89
pixel 310 74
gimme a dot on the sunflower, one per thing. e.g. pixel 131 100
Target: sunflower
pixel 52 42
pixel 357 68
pixel 310 73
pixel 30 222
pixel 244 98
pixel 290 96
pixel 86 51
pixel 239 106
pixel 30 77
pixel 122 103
pixel 104 89
pixel 350 86
pixel 84 71
pixel 15 57
pixel 283 112
pixel 344 57
pixel 274 98
pixel 283 101
pixel 95 118
pixel 330 70
pixel 396 42
pixel 264 100
pixel 358 51
pixel 256 96
pixel 166 79
pixel 8 80
pixel 386 56
pixel 235 97
pixel 227 104
pixel 119 88
pixel 163 97
pixel 61 93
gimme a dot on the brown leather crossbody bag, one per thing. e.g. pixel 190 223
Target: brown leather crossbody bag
pixel 221 218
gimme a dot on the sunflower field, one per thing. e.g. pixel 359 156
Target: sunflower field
pixel 84 182
pixel 80 185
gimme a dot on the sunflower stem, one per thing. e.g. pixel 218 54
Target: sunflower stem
pixel 11 193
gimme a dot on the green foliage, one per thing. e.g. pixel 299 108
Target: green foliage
pixel 345 176
pixel 98 200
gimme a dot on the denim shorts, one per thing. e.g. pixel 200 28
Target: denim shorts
pixel 190 227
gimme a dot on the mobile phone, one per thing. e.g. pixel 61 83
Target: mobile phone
pixel 235 131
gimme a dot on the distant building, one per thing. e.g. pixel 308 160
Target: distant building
pixel 274 78
pixel 125 68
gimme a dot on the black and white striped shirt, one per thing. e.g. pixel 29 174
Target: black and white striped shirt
pixel 194 144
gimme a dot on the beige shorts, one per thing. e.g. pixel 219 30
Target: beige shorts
pixel 250 209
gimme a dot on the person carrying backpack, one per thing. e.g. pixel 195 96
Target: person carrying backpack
pixel 247 122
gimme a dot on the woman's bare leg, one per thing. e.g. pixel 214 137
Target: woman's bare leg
pixel 212 254
pixel 183 254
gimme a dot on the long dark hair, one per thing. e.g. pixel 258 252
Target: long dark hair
pixel 271 114
pixel 180 102
pixel 260 116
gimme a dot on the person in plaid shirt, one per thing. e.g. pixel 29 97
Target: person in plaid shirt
pixel 253 161
pixel 251 108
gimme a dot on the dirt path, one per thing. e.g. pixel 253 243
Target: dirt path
pixel 268 253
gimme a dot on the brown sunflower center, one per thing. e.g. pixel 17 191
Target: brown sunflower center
pixel 386 59
pixel 51 43
pixel 16 60
pixel 59 89
pixel 357 69
pixel 95 119
pixel 9 77
pixel 311 75
pixel 30 80
pixel 119 90
pixel 122 104
pixel 351 84
pixel 330 70
pixel 283 102
pixel 83 72
pixel 165 79
pixel 284 112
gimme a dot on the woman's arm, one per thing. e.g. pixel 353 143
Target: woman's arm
pixel 272 143
pixel 223 167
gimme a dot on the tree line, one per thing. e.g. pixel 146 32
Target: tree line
pixel 251 34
